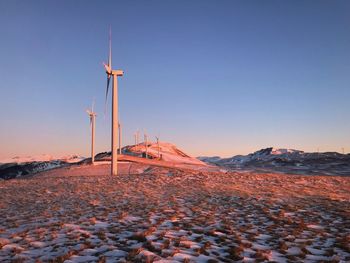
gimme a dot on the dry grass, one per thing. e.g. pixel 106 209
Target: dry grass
pixel 219 217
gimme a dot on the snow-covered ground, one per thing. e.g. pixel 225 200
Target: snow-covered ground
pixel 152 213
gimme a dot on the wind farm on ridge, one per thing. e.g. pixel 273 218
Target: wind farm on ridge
pixel 185 169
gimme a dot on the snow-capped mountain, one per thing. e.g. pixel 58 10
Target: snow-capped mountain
pixel 288 161
pixel 18 166
pixel 72 158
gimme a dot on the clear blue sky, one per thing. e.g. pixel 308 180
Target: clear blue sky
pixel 213 77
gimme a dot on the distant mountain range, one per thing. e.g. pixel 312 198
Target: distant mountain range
pixel 265 160
pixel 286 161
pixel 19 166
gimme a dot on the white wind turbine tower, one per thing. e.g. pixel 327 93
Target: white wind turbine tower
pixel 157 138
pixel 113 74
pixel 92 116
pixel 135 137
pixel 146 145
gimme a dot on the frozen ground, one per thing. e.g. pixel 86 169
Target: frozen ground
pixel 162 214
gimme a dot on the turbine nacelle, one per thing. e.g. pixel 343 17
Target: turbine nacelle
pixel 118 72
pixel 91 113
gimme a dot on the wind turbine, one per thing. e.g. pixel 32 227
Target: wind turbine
pixel 146 145
pixel 92 116
pixel 157 138
pixel 113 74
pixel 137 136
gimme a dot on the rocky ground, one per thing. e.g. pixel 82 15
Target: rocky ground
pixel 160 214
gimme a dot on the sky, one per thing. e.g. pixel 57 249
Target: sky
pixel 213 77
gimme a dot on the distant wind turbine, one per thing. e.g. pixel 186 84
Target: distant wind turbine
pixel 146 145
pixel 115 74
pixel 92 116
pixel 137 137
pixel 157 138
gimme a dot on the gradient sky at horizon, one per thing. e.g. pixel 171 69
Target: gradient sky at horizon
pixel 213 77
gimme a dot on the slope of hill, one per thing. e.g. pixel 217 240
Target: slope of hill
pixel 287 161
pixel 168 152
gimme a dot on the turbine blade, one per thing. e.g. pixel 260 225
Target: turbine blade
pixel 93 105
pixel 107 68
pixel 110 48
pixel 107 88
